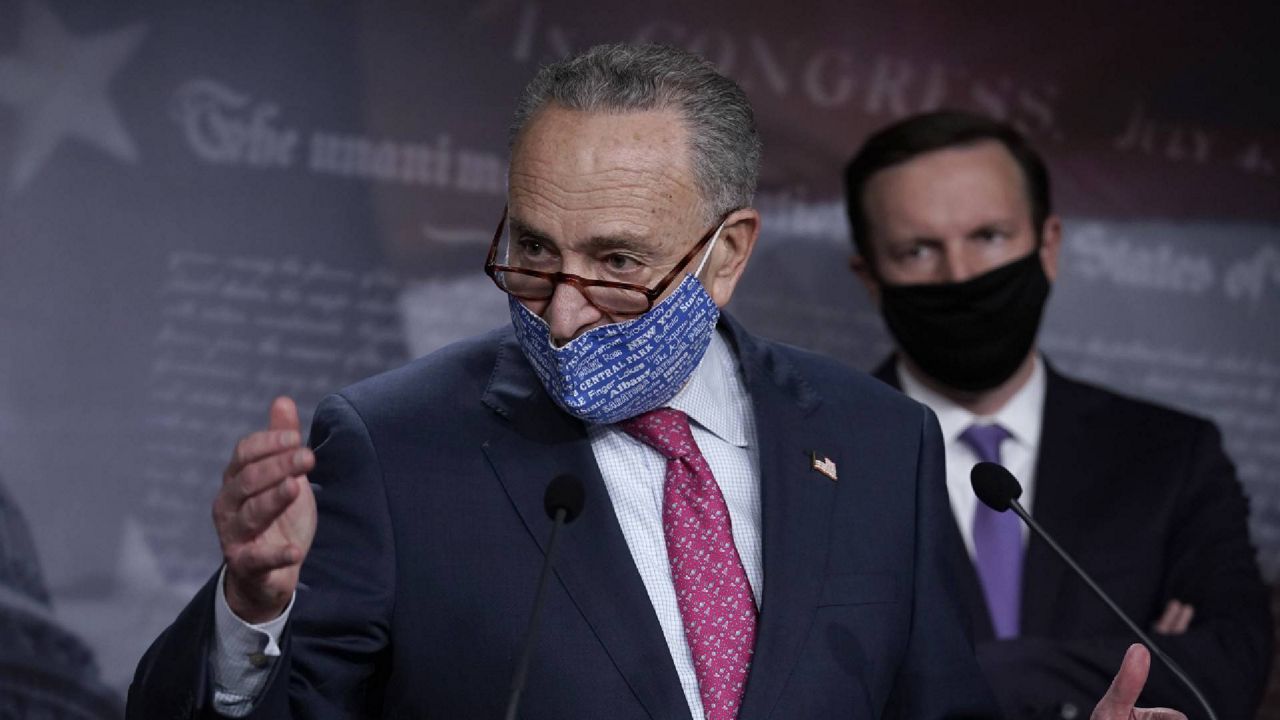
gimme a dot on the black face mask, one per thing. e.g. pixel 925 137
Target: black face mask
pixel 970 335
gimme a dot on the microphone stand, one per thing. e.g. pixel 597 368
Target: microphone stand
pixel 1155 649
pixel 522 668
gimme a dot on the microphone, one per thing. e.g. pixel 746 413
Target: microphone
pixel 999 490
pixel 563 502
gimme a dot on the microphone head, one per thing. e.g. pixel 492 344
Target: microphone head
pixel 995 486
pixel 564 492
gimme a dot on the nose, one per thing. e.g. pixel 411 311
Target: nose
pixel 569 314
pixel 954 266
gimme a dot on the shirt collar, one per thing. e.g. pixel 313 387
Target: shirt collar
pixel 715 397
pixel 1022 416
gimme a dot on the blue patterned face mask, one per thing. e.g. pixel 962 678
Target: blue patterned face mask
pixel 617 371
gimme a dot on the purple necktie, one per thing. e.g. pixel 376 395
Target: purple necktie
pixel 997 542
pixel 716 606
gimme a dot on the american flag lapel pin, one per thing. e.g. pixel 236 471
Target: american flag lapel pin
pixel 824 465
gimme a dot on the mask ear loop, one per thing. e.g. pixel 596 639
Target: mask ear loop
pixel 710 246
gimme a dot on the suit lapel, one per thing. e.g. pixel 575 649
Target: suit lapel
pixel 594 564
pixel 970 590
pixel 796 503
pixel 1063 474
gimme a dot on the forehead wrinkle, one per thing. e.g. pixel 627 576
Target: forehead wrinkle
pixel 600 181
pixel 596 151
pixel 632 212
pixel 650 185
pixel 947 192
pixel 540 212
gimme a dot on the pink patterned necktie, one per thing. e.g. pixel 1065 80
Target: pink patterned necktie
pixel 712 592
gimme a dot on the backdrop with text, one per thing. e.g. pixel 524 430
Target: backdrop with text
pixel 203 205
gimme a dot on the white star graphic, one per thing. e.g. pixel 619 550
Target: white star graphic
pixel 57 84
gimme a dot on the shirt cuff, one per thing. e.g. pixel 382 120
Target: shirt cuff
pixel 242 655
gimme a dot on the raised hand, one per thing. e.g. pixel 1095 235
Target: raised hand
pixel 1118 703
pixel 265 515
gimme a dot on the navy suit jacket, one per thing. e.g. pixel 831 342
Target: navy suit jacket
pixel 1146 501
pixel 417 590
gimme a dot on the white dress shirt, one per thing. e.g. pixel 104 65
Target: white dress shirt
pixel 1022 416
pixel 719 410
pixel 723 425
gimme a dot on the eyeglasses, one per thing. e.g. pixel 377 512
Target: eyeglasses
pixel 607 296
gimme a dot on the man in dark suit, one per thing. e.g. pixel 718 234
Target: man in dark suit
pixel 712 462
pixel 957 243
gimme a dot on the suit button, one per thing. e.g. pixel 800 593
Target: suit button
pixel 1068 711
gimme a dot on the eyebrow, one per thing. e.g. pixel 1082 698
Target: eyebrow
pixel 1000 225
pixel 519 227
pixel 907 241
pixel 1005 225
pixel 617 241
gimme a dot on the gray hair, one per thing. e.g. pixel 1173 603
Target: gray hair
pixel 636 78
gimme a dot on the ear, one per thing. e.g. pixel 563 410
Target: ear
pixel 1050 246
pixel 860 267
pixel 729 258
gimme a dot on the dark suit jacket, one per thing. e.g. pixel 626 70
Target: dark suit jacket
pixel 418 587
pixel 1145 500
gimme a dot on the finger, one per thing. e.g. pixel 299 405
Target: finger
pixel 1118 702
pixel 255 446
pixel 258 512
pixel 1165 624
pixel 1184 619
pixel 1157 714
pixel 284 414
pixel 263 474
pixel 253 560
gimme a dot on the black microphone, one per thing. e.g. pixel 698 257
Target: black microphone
pixel 563 501
pixel 999 490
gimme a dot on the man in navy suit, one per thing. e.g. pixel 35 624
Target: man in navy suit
pixel 957 243
pixel 760 531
